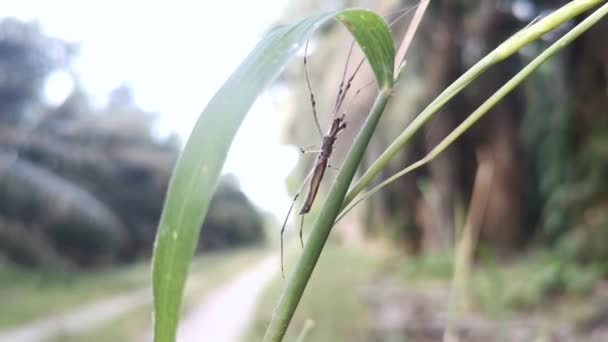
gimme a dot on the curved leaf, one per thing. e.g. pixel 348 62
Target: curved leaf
pixel 371 35
pixel 198 168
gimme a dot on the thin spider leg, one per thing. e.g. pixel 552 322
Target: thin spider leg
pixel 303 151
pixel 348 84
pixel 352 99
pixel 333 167
pixel 293 203
pixel 341 87
pixel 308 147
pixel 403 12
pixel 312 95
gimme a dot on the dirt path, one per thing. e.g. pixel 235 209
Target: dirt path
pixel 224 314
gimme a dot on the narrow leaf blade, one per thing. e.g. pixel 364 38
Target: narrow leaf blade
pixel 372 34
pixel 197 171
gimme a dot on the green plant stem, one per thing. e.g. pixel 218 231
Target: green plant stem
pixel 506 49
pixel 300 276
pixel 490 102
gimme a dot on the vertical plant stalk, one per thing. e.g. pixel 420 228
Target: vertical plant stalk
pixel 300 275
pixel 503 51
pixel 459 298
pixel 308 326
pixel 291 295
pixel 409 35
pixel 477 114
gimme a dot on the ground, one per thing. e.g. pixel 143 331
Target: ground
pixel 358 294
pixel 372 295
pixel 116 313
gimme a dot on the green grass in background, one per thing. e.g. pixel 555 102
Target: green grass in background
pixel 27 295
pixel 499 289
pixel 499 286
pixel 334 297
pixel 207 272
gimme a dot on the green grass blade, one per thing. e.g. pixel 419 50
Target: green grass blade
pixel 298 279
pixel 198 168
pixel 506 49
pixel 489 103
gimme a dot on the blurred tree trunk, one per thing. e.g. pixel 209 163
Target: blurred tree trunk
pixel 589 68
pixel 455 36
pixel 586 200
pixel 504 224
pixel 441 65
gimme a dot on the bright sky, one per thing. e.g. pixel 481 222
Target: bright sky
pixel 175 55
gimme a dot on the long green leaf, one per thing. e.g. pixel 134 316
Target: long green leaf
pixel 198 168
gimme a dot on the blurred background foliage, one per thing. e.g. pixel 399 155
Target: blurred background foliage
pixel 547 212
pixel 546 141
pixel 82 185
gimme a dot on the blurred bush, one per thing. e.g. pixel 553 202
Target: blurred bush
pixel 232 220
pixel 84 185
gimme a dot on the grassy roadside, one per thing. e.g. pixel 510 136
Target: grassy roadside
pixel 334 298
pixel 207 272
pixel 498 287
pixel 27 296
pixel 30 295
pixel 337 299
